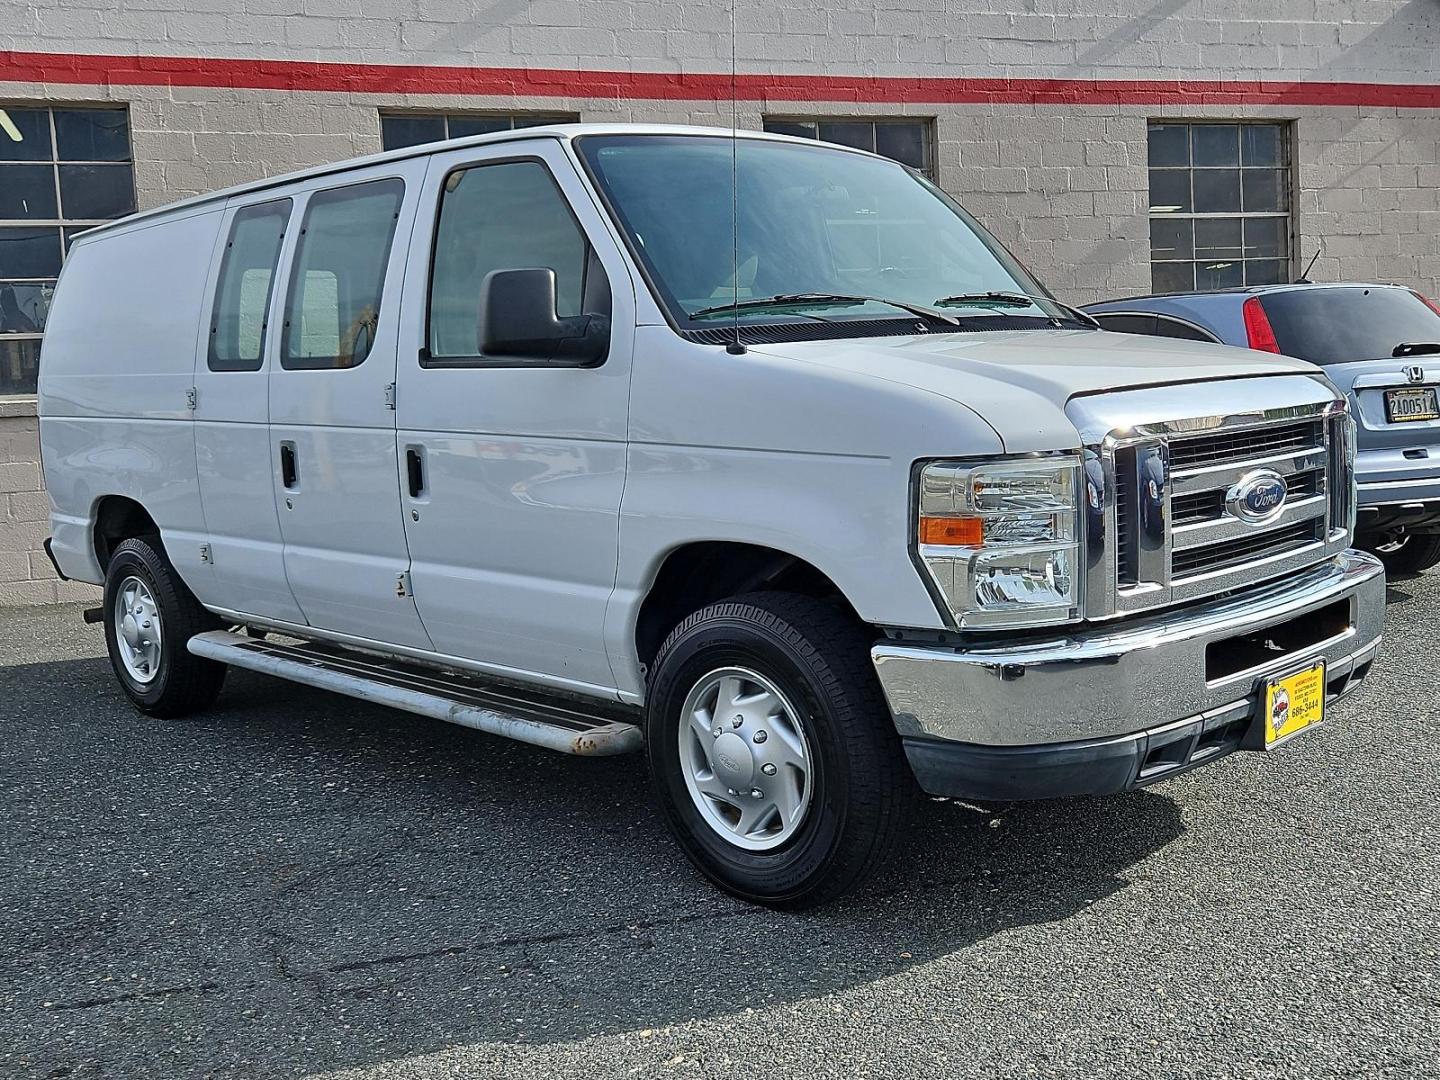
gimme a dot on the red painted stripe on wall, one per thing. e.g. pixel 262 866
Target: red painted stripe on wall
pixel 93 70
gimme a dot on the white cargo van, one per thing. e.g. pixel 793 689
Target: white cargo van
pixel 821 503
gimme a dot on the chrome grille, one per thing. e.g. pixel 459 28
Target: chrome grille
pixel 1201 506
pixel 1126 570
pixel 1173 527
pixel 1243 549
pixel 1242 445
pixel 1208 505
pixel 1205 536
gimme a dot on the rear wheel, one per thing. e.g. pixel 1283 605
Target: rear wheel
pixel 1404 553
pixel 775 759
pixel 150 615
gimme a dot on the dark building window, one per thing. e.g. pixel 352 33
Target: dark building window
pixel 61 172
pixel 1219 205
pixel 411 129
pixel 909 142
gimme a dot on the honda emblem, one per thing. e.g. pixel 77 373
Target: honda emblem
pixel 1415 373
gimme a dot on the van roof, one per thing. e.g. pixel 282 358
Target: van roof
pixel 563 132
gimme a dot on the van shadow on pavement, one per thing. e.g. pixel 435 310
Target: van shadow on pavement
pixel 296 881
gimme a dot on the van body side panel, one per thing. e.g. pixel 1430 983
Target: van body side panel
pixel 119 361
pixel 807 459
pixel 232 454
pixel 345 553
pixel 513 539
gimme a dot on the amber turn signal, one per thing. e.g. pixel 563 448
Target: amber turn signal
pixel 952 531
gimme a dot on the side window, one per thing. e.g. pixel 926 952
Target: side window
pixel 1174 328
pixel 506 216
pixel 240 316
pixel 1126 324
pixel 333 309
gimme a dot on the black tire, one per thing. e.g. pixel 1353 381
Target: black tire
pixel 863 789
pixel 182 683
pixel 1406 554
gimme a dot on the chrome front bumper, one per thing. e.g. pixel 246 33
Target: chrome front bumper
pixel 1111 706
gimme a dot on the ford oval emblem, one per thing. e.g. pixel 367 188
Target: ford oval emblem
pixel 1258 497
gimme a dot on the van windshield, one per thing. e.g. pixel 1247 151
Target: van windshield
pixel 823 234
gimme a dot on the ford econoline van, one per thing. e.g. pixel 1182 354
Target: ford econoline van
pixel 804 486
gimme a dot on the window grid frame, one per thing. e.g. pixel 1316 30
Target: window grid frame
pixel 63 224
pixel 927 123
pixel 1285 167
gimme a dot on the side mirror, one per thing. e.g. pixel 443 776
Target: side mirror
pixel 517 319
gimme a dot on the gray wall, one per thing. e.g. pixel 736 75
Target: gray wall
pixel 26 576
pixel 1064 184
pixel 1337 40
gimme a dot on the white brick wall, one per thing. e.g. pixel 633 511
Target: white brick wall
pixel 1389 40
pixel 1064 185
pixel 26 576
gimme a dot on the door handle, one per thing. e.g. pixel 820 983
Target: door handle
pixel 289 471
pixel 415 471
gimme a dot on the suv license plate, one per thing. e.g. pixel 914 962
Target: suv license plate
pixel 1293 703
pixel 1402 406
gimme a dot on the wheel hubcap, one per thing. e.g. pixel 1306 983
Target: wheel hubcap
pixel 137 630
pixel 745 758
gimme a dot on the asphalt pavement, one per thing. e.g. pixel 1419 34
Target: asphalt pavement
pixel 299 884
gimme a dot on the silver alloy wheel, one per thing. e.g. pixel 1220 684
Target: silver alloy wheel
pixel 746 758
pixel 137 629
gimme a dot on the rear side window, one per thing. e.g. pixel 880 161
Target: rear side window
pixel 1152 325
pixel 1127 323
pixel 333 310
pixel 242 297
pixel 1174 328
pixel 1332 326
pixel 506 216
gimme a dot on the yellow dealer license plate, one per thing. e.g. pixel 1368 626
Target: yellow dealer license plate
pixel 1294 703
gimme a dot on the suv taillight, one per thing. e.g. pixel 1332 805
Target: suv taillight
pixel 1258 331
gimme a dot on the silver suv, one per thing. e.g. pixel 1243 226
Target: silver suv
pixel 1380 344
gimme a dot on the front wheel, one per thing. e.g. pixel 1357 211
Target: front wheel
pixel 774 756
pixel 1404 553
pixel 150 616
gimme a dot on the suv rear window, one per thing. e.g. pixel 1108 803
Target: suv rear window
pixel 1331 326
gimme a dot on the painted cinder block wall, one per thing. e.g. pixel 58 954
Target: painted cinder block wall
pixel 26 576
pixel 1040 107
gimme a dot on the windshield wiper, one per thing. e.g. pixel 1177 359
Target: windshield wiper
pixel 1417 348
pixel 995 297
pixel 1007 298
pixel 788 299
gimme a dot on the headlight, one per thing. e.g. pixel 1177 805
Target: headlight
pixel 999 540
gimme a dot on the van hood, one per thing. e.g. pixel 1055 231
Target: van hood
pixel 1019 381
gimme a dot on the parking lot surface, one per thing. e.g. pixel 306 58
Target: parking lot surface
pixel 300 884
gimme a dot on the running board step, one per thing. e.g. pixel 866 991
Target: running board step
pixel 564 724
